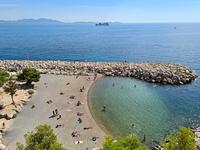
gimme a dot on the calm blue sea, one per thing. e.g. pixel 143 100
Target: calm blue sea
pixel 154 110
pixel 178 43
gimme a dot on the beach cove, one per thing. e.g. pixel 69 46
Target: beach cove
pixel 67 83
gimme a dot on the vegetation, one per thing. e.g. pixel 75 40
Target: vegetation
pixel 3 77
pixel 182 140
pixel 127 143
pixel 42 138
pixel 29 75
pixel 11 88
pixel 31 92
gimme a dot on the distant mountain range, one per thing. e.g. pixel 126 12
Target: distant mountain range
pixel 44 21
pixel 33 21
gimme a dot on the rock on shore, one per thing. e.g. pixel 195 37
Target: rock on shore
pixel 164 73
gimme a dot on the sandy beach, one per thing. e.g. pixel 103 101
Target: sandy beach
pixel 62 93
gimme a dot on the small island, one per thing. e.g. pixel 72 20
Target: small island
pixel 102 24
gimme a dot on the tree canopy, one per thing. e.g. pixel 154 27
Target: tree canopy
pixel 42 138
pixel 3 77
pixel 29 75
pixel 127 143
pixel 11 88
pixel 182 140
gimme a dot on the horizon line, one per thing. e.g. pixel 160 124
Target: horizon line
pixel 71 22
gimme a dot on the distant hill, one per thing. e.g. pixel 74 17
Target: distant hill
pixel 44 21
pixel 41 21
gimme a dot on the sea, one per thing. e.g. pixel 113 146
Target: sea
pixel 132 106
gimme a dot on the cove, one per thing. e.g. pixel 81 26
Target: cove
pixel 134 106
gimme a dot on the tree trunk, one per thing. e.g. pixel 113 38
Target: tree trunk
pixel 13 102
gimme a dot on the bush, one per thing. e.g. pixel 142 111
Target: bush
pixel 182 140
pixel 31 92
pixel 126 143
pixel 4 76
pixel 29 75
pixel 42 138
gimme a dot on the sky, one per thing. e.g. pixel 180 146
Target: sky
pixel 130 11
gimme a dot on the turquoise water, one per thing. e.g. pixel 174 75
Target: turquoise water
pixel 153 109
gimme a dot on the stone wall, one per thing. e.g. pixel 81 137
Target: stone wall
pixel 163 73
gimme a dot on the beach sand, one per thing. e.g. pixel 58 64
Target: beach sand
pixel 50 88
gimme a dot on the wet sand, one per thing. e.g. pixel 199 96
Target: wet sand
pixel 50 88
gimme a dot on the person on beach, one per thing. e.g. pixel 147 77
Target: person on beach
pixel 87 128
pixel 56 111
pixel 59 125
pixel 79 120
pixel 75 134
pixel 78 103
pixel 61 93
pixel 104 109
pixel 53 115
pixel 49 102
pixel 59 117
pixel 144 139
pixel 33 106
pixel 80 114
pixel 82 89
pixel 95 76
pixel 72 97
pixel 4 125
pixel 77 76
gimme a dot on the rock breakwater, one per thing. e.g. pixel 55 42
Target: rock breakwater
pixel 163 73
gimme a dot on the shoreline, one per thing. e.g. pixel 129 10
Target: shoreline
pixel 162 73
pixel 92 113
pixel 66 107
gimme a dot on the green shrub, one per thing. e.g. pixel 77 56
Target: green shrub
pixel 29 75
pixel 182 140
pixel 42 138
pixel 126 143
pixel 4 76
pixel 31 92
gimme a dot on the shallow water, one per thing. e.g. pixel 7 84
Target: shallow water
pixel 133 106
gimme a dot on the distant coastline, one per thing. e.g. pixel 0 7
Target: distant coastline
pixel 47 21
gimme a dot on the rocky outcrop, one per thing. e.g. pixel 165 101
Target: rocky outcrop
pixel 163 73
pixel 9 111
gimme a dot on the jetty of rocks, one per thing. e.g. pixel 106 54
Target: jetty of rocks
pixel 163 73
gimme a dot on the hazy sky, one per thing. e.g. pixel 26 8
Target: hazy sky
pixel 103 10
